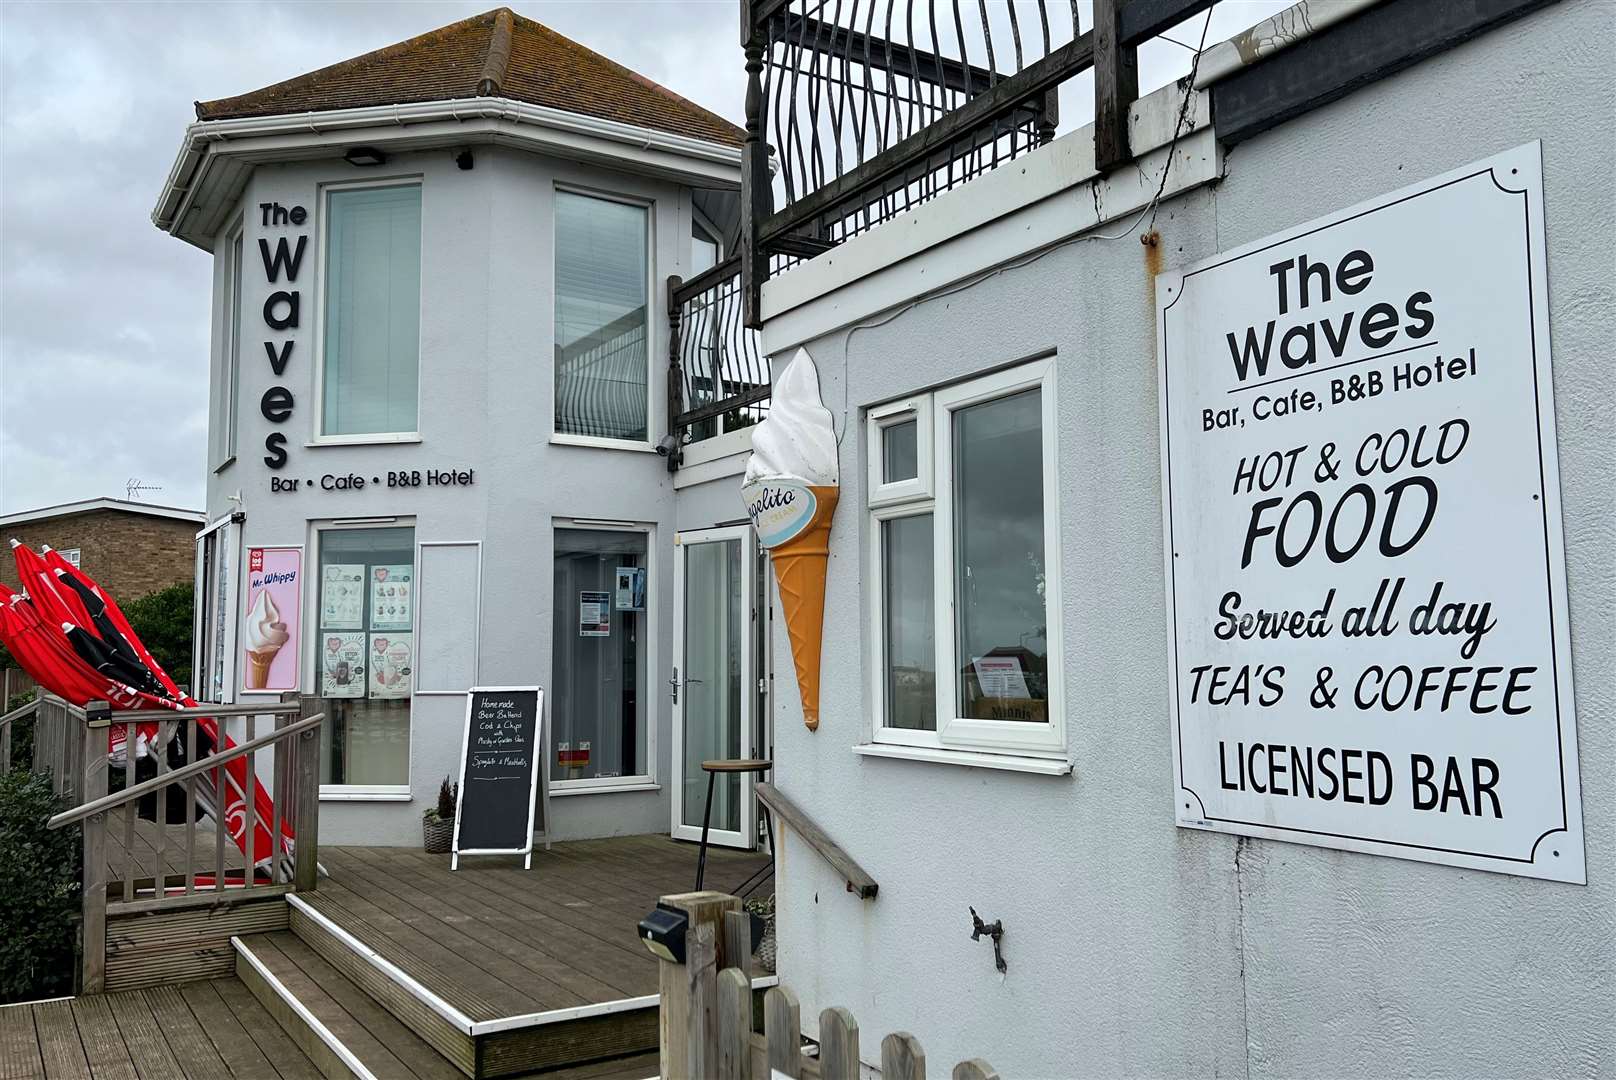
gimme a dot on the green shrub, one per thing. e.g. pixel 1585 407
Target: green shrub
pixel 22 731
pixel 163 623
pixel 39 891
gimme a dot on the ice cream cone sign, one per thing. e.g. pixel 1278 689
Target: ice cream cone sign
pixel 790 490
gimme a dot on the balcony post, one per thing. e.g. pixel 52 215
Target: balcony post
pixel 756 190
pixel 1116 85
pixel 676 373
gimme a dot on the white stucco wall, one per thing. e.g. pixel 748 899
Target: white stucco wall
pixel 486 388
pixel 1136 948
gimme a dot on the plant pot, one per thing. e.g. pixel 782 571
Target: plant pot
pixel 437 834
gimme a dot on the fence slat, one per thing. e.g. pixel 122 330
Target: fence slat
pixel 190 812
pixel 734 1025
pixel 902 1058
pixel 277 784
pixel 165 731
pixel 975 1069
pixel 838 1045
pixel 738 941
pixel 701 962
pixel 250 835
pixel 782 1024
pixel 130 865
pixel 93 899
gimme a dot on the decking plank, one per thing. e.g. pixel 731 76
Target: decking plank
pixel 141 1036
pixel 59 1043
pixel 192 1049
pixel 103 1043
pixel 289 1061
pixel 229 1038
pixel 19 1044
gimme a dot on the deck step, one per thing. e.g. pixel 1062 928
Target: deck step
pixel 331 1018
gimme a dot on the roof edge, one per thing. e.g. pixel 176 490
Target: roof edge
pixel 85 506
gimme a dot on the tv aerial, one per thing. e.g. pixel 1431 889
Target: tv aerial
pixel 133 489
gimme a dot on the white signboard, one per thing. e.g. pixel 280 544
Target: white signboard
pixel 1365 571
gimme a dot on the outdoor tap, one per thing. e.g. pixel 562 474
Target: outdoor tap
pixel 994 930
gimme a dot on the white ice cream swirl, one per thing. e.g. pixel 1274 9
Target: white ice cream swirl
pixel 264 627
pixel 797 439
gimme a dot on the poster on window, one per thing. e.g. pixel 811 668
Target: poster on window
pixel 630 588
pixel 594 614
pixel 392 663
pixel 342 596
pixel 343 663
pixel 392 593
pixel 1365 572
pixel 269 631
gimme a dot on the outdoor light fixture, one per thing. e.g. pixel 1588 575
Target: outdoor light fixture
pixel 365 156
pixel 464 160
pixel 663 932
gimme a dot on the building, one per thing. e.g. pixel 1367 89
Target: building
pixel 1047 461
pixel 132 548
pixel 441 405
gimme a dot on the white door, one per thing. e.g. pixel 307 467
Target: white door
pixel 714 681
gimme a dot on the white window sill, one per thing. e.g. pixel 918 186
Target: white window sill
pixel 559 788
pixel 364 440
pixel 223 465
pixel 968 758
pixel 345 793
pixel 562 439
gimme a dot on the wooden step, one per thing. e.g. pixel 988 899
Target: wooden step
pixel 333 1021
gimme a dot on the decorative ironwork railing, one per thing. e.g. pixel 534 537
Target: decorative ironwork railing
pixel 870 107
pixel 718 377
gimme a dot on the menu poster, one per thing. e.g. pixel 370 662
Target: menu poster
pixel 392 661
pixel 392 594
pixel 594 614
pixel 630 588
pixel 504 791
pixel 342 596
pixel 342 664
pixel 269 631
pixel 1000 677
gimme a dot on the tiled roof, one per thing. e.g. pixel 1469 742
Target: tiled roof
pixel 496 54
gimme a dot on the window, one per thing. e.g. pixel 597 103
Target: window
pixel 70 554
pixel 706 249
pixel 372 343
pixel 964 535
pixel 598 665
pixel 365 656
pixel 602 289
pixel 230 352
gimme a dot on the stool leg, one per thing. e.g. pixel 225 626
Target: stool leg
pixel 706 820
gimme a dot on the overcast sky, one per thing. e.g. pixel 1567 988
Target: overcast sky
pixel 104 319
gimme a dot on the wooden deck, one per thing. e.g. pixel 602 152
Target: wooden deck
pixel 215 1030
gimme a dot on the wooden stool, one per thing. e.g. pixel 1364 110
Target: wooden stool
pixel 712 769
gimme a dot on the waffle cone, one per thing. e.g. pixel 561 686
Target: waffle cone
pixel 258 663
pixel 799 571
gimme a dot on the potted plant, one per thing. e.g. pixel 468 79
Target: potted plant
pixel 437 823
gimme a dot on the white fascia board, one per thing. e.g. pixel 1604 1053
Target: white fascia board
pixel 1026 204
pixel 400 128
pixel 63 510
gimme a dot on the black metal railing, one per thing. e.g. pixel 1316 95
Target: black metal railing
pixel 870 107
pixel 718 377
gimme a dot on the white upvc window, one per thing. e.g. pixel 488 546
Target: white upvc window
pixel 964 567
pixel 229 384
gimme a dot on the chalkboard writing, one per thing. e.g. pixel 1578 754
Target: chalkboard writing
pixel 500 770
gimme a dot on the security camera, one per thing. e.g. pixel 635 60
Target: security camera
pixel 667 445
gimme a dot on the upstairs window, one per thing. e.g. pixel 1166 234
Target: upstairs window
pixel 230 352
pixel 602 306
pixel 372 344
pixel 964 566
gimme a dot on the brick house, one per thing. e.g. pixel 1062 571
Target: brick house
pixel 133 549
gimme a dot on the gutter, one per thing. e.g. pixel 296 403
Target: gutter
pixel 200 135
pixel 1295 24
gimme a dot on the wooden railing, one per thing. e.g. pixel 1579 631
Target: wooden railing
pixel 707 1022
pixel 789 813
pixel 142 867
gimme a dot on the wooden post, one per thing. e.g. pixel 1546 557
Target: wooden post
pixel 97 729
pixel 306 783
pixel 674 981
pixel 1116 86
pixel 838 1045
pixel 701 983
pixel 676 373
pixel 757 190
pixel 902 1058
pixel 782 1027
pixel 734 1024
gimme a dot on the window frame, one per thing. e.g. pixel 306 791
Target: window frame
pixel 652 432
pixel 317 435
pixel 878 419
pixel 970 738
pixel 311 649
pixel 646 781
pixel 230 345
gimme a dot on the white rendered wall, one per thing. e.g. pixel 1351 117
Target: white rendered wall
pixel 1136 948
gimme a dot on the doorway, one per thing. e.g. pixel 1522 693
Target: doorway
pixel 715 680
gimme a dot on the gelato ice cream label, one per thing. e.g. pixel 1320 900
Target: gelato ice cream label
pixel 780 509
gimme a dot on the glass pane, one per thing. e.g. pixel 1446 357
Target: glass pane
pixel 899 455
pixel 597 665
pixel 715 631
pixel 910 625
pixel 366 654
pixel 703 251
pixel 372 311
pixel 999 559
pixel 232 358
pixel 601 273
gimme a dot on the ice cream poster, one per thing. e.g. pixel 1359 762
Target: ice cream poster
pixel 273 606
pixel 343 663
pixel 392 662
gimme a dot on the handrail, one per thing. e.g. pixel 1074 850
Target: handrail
pixel 145 787
pixel 272 708
pixel 19 712
pixel 858 882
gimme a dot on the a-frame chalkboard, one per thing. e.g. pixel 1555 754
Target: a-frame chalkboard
pixel 504 782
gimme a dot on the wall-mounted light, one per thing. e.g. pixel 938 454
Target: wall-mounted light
pixel 365 156
pixel 464 160
pixel 663 932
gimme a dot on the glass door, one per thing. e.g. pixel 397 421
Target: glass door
pixel 714 681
